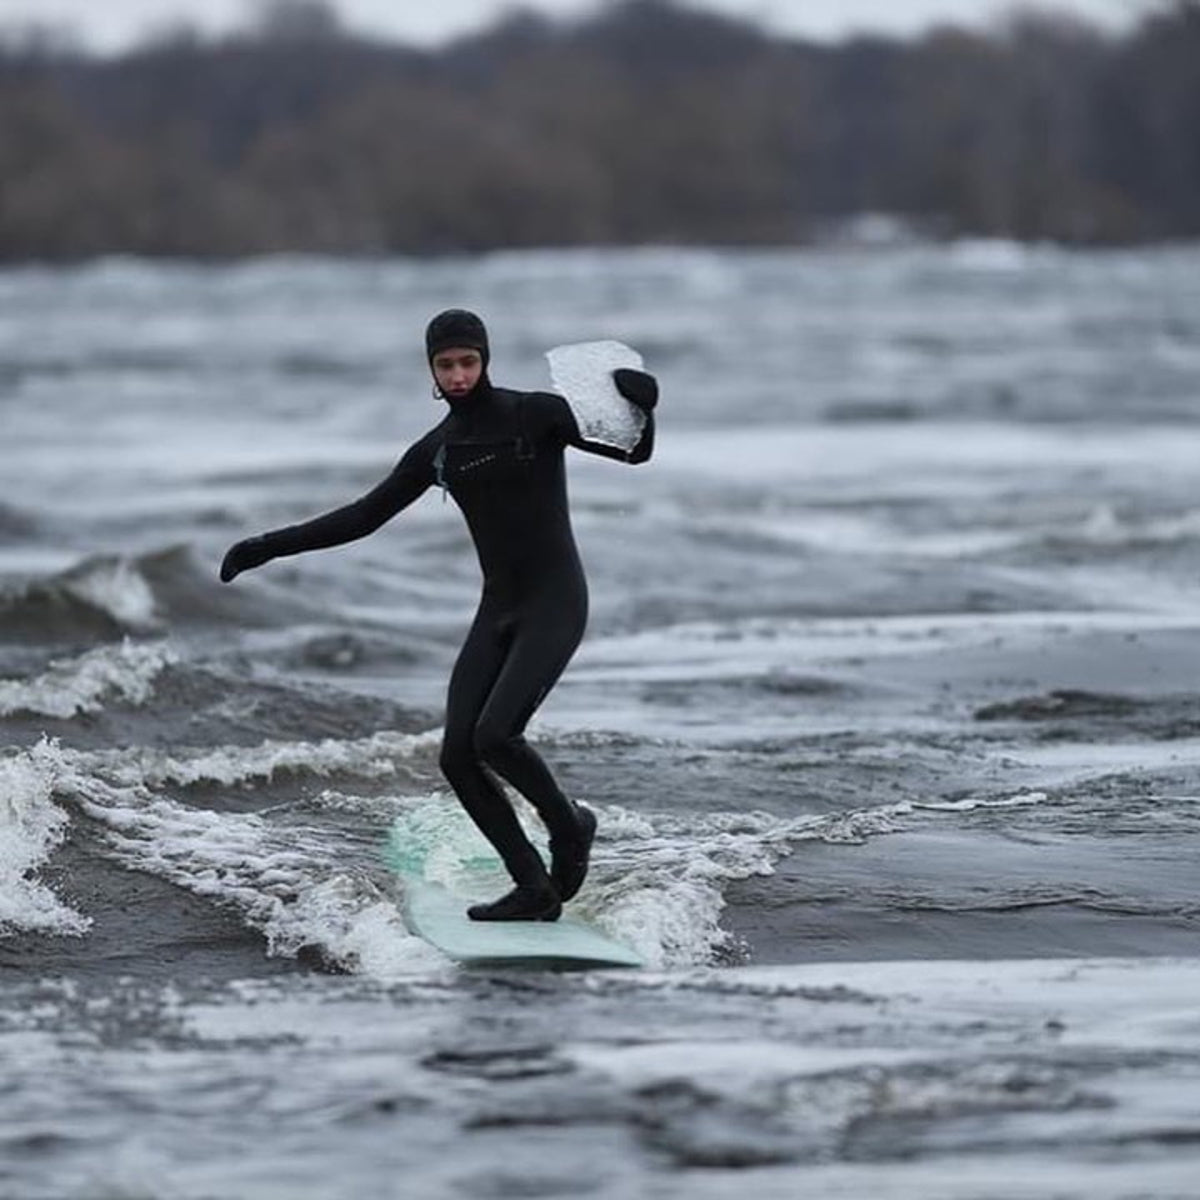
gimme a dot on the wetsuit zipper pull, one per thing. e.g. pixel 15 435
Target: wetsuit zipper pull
pixel 439 469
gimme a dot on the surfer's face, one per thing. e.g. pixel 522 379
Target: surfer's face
pixel 457 370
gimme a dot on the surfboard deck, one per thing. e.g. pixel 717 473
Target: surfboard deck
pixel 439 916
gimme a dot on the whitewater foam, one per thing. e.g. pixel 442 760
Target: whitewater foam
pixel 289 888
pixel 31 826
pixel 372 757
pixel 82 685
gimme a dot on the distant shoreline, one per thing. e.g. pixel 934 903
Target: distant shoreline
pixel 647 123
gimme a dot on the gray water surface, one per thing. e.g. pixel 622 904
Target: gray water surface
pixel 888 708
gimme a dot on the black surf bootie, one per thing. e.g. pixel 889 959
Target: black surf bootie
pixel 526 902
pixel 569 858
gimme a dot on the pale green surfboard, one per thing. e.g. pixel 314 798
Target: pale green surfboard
pixel 435 841
pixel 440 917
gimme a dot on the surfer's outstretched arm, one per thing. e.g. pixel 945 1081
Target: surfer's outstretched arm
pixel 412 475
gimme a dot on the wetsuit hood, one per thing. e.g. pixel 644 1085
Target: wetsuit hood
pixel 454 328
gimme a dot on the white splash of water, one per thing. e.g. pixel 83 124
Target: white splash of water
pixel 288 888
pixel 72 686
pixel 31 826
pixel 117 587
pixel 371 757
pixel 583 374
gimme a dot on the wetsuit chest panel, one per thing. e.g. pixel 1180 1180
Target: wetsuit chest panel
pixel 483 464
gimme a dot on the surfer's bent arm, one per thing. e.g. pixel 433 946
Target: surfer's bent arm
pixel 640 389
pixel 411 476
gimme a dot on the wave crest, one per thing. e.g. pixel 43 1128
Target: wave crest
pixel 97 600
pixel 82 685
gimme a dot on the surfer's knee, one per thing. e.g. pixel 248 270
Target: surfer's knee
pixel 457 755
pixel 493 743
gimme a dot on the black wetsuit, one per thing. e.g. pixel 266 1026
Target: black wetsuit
pixel 499 453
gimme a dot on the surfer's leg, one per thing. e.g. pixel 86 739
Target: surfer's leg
pixel 479 664
pixel 541 649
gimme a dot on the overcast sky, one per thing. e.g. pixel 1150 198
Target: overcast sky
pixel 110 24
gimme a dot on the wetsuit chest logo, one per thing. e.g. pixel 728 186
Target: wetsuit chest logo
pixel 485 463
pixel 475 463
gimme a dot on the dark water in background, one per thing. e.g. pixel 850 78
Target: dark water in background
pixel 893 659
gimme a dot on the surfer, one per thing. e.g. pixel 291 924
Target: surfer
pixel 499 453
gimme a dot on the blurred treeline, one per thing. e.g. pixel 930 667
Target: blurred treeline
pixel 648 122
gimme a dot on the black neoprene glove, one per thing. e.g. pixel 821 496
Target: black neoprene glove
pixel 638 387
pixel 245 556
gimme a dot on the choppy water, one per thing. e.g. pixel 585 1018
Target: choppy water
pixel 888 707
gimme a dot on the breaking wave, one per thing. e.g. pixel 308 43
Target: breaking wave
pixel 111 596
pixel 83 684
